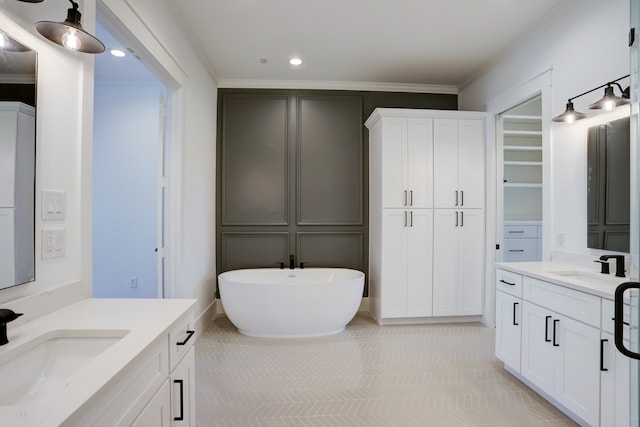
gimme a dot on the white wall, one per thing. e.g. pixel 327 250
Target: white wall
pixel 125 188
pixel 64 133
pixel 584 42
pixel 61 127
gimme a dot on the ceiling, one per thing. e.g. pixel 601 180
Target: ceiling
pixel 404 42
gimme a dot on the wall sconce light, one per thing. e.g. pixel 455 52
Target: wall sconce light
pixel 608 102
pixel 69 33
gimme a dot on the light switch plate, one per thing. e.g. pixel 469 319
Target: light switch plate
pixel 53 205
pixel 53 243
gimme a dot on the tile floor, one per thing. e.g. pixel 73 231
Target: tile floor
pixel 427 375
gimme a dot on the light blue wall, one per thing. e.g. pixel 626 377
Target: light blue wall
pixel 125 182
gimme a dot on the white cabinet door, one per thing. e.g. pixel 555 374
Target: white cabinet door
pixel 577 375
pixel 419 163
pixel 393 291
pixel 470 262
pixel 458 266
pixel 183 399
pixel 407 259
pixel 394 157
pixel 157 413
pixel 445 165
pixel 445 262
pixel 614 385
pixel 508 329
pixel 537 363
pixel 471 163
pixel 419 263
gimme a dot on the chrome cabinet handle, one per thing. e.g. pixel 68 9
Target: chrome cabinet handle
pixel 456 218
pixel 461 219
pixel 411 219
pixel 410 197
pixel 404 214
pixel 456 198
pixel 461 198
pixel 404 198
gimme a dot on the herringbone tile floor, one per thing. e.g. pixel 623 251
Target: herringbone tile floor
pixel 368 375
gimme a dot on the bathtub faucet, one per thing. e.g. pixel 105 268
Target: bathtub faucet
pixel 292 262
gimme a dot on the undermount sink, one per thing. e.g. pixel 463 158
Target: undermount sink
pixel 46 362
pixel 586 276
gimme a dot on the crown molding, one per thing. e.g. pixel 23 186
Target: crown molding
pixel 335 85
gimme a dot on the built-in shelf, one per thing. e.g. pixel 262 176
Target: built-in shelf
pixel 517 133
pixel 521 118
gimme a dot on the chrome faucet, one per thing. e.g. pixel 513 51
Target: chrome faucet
pixel 6 316
pixel 619 264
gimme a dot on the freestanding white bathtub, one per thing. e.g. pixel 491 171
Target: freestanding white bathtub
pixel 287 303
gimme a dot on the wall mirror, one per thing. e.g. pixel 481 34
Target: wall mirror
pixel 608 186
pixel 18 79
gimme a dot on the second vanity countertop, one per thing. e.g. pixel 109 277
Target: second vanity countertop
pixel 589 281
pixel 143 320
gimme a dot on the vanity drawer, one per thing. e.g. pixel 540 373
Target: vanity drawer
pixel 181 338
pixel 509 282
pixel 569 302
pixel 520 231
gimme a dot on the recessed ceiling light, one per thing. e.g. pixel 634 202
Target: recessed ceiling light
pixel 117 53
pixel 295 61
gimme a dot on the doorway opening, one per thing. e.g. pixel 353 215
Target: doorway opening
pixel 519 178
pixel 131 149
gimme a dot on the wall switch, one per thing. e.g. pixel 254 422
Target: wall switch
pixel 53 244
pixel 133 282
pixel 53 205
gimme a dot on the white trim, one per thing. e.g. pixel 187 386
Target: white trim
pixel 431 320
pixel 336 85
pixel 540 84
pixel 378 113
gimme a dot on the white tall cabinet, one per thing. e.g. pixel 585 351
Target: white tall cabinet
pixel 426 258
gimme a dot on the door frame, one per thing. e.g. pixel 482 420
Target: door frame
pixel 539 85
pixel 116 16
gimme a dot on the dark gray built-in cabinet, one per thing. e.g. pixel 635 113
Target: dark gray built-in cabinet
pixel 293 175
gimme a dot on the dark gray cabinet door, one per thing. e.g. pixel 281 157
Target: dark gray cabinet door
pixel 255 170
pixel 329 166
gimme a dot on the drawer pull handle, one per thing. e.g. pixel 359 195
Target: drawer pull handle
pixel 516 250
pixel 189 335
pixel 623 322
pixel 181 384
pixel 602 341
pixel 516 231
pixel 555 323
pixel 546 329
pixel 507 283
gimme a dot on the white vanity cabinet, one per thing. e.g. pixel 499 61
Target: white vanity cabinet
pixel 156 390
pixel 403 245
pixel 614 372
pixel 508 318
pixel 564 345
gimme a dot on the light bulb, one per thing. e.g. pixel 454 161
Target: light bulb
pixel 571 119
pixel 609 105
pixel 295 61
pixel 70 40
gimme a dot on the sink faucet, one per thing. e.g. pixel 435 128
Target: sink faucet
pixel 6 316
pixel 292 263
pixel 619 263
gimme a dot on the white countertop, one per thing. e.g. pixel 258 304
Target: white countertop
pixel 603 285
pixel 145 319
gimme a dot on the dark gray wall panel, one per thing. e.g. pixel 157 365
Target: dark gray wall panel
pixel 253 250
pixel 325 249
pixel 255 160
pixel 330 157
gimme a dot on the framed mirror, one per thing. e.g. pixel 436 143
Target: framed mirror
pixel 18 65
pixel 608 186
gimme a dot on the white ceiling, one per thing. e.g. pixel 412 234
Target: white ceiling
pixel 406 42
